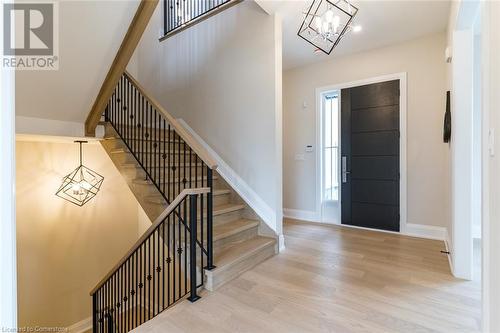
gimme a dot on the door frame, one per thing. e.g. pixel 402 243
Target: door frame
pixel 402 77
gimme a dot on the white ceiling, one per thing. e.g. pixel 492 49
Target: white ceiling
pixel 383 23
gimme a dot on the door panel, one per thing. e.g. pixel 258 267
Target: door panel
pixel 375 216
pixel 375 167
pixel 375 143
pixel 370 145
pixel 374 95
pixel 375 191
pixel 373 119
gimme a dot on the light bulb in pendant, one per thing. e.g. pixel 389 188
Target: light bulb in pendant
pixel 329 15
pixel 336 23
pixel 317 23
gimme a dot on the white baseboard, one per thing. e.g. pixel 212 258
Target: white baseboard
pixel 411 229
pixel 281 243
pixel 304 215
pixel 425 231
pixel 81 326
pixel 447 243
pixel 261 208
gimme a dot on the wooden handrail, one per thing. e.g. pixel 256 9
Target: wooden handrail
pixel 179 129
pixel 132 37
pixel 151 229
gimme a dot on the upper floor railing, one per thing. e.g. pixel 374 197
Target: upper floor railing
pixel 180 14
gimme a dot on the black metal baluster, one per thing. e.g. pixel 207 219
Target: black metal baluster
pixel 149 278
pixel 151 141
pixel 155 146
pixel 169 254
pixel 179 249
pixel 143 131
pixel 136 288
pixel 177 153
pixel 94 310
pixel 192 246
pixel 210 259
pixel 170 198
pixel 144 277
pixel 153 272
pixel 185 242
pixel 158 271
pixel 163 264
pixel 174 257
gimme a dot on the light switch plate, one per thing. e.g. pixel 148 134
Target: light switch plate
pixel 309 148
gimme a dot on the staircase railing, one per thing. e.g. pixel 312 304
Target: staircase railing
pixel 178 15
pixel 159 270
pixel 170 157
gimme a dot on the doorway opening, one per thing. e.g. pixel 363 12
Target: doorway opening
pixel 347 179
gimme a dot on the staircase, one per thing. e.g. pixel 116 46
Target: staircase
pixel 190 206
pixel 237 244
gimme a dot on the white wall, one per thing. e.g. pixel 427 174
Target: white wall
pixel 8 285
pixel 64 250
pixel 222 77
pixel 462 152
pixel 427 155
pixel 491 167
pixel 90 33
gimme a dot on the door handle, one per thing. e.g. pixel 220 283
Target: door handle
pixel 344 169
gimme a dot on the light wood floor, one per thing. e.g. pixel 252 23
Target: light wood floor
pixel 336 279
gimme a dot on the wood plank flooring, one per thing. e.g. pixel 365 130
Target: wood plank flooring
pixel 337 279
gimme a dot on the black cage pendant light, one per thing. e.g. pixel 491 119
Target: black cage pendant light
pixel 326 23
pixel 81 185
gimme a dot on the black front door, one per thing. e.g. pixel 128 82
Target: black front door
pixel 370 155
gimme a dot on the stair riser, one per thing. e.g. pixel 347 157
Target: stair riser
pixel 214 281
pixel 236 238
pixel 157 209
pixel 228 217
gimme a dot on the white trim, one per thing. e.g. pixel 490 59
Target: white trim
pixel 426 231
pixel 448 249
pixel 412 230
pixel 261 208
pixel 281 243
pixel 403 107
pixel 486 50
pixel 81 326
pixel 8 277
pixel 304 215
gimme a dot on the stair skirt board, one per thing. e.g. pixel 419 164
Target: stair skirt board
pixel 237 243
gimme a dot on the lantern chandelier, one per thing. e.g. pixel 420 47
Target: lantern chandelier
pixel 81 185
pixel 327 22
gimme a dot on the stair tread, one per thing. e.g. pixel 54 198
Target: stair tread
pixel 233 253
pixel 227 208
